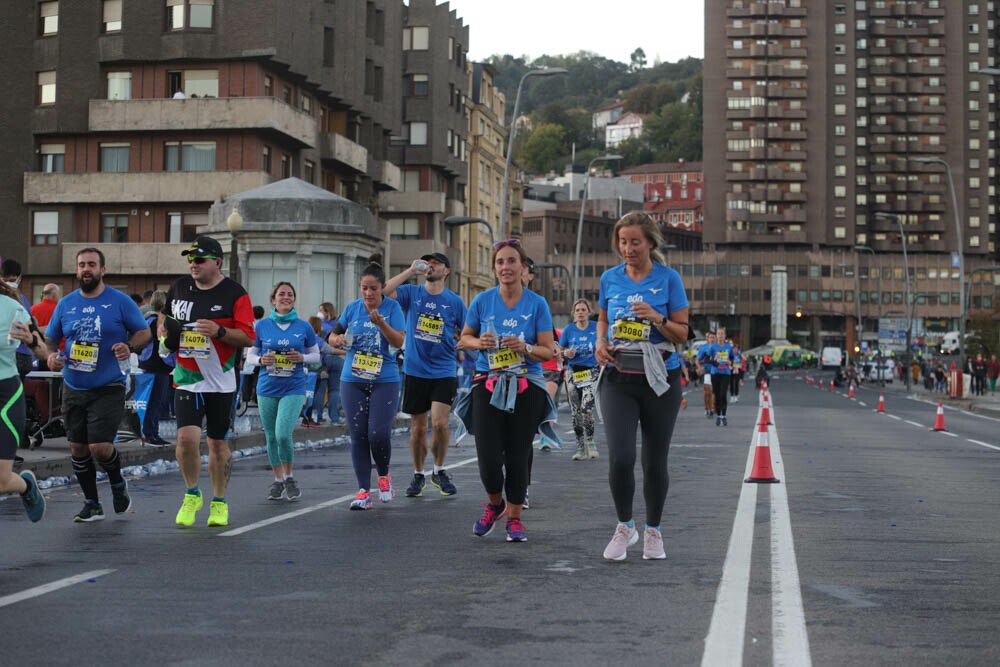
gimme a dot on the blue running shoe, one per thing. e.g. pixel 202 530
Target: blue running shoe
pixel 490 516
pixel 34 503
pixel 515 531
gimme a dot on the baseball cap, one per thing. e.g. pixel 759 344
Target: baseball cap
pixel 438 257
pixel 204 246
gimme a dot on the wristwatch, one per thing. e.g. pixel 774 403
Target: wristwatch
pixel 221 333
pixel 663 322
pixel 528 349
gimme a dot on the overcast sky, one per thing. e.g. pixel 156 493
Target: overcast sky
pixel 668 29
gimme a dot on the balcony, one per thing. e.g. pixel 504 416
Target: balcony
pixel 387 176
pixel 338 148
pixel 413 202
pixel 266 114
pixel 138 187
pixel 152 259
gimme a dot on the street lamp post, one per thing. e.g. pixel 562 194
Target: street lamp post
pixel 579 227
pixel 878 302
pixel 906 275
pixel 235 223
pixel 504 204
pixel 961 253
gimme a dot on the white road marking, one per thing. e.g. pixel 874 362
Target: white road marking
pixel 862 404
pixel 912 423
pixel 896 417
pixel 312 508
pixel 979 442
pixel 949 434
pixel 50 587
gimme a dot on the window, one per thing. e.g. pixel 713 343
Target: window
pixel 416 85
pixel 201 83
pixel 189 156
pixel 53 158
pixel 184 226
pixel 328 47
pixel 404 228
pixel 418 134
pixel 416 38
pixel 45 228
pixel 411 180
pixel 189 14
pixel 265 159
pixel 308 171
pixel 114 157
pixel 112 16
pixel 286 165
pixel 46 93
pixel 114 228
pixel 119 85
pixel 268 86
pixel 48 18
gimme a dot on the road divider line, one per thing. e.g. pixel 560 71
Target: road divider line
pixel 949 434
pixel 312 508
pixel 980 442
pixel 896 417
pixel 51 586
pixel 912 423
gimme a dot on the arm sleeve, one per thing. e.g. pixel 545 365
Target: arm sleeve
pixel 311 354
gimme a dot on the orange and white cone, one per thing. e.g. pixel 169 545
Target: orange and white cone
pixel 762 472
pixel 831 385
pixel 881 403
pixel 939 420
pixel 850 391
pixel 765 411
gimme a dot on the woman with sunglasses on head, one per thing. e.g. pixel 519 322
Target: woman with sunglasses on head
pixel 284 344
pixel 512 328
pixel 578 342
pixel 643 313
pixel 369 383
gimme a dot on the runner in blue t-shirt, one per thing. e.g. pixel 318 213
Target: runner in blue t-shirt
pixel 283 344
pixel 705 374
pixel 369 385
pixel 100 326
pixel 434 318
pixel 578 343
pixel 721 354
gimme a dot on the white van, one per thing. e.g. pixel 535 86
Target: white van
pixel 830 358
pixel 949 344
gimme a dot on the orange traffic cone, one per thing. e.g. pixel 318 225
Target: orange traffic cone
pixel 831 385
pixel 881 403
pixel 765 411
pixel 763 385
pixel 762 473
pixel 939 420
pixel 850 391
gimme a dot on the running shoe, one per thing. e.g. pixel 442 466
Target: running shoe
pixel 292 491
pixel 443 482
pixel 725 422
pixel 34 503
pixel 416 487
pixel 623 538
pixel 192 503
pixel 92 511
pixel 580 454
pixel 385 490
pixel 218 513
pixel 652 545
pixel 362 501
pixel 515 531
pixel 592 449
pixel 277 490
pixel 490 516
pixel 546 445
pixel 718 421
pixel 120 498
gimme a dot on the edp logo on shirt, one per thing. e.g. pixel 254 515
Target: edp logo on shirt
pixel 512 322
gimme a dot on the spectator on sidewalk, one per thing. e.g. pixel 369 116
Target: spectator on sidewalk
pixel 42 311
pixel 993 372
pixel 979 370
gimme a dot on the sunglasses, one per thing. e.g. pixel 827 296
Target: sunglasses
pixel 199 260
pixel 510 242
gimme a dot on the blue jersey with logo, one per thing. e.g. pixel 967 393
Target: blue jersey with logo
pixel 368 357
pixel 722 358
pixel 584 341
pixel 288 379
pixel 90 326
pixel 662 289
pixel 431 323
pixel 529 316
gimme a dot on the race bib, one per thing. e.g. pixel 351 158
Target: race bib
pixel 194 345
pixel 83 356
pixel 583 378
pixel 505 360
pixel 631 330
pixel 366 366
pixel 429 327
pixel 283 366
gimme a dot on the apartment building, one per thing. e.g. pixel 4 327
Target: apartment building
pixel 431 147
pixel 125 121
pixel 830 125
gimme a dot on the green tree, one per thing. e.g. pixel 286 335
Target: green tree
pixel 634 152
pixel 545 149
pixel 638 59
pixel 984 336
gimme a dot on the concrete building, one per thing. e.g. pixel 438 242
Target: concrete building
pixel 125 121
pixel 431 149
pixel 818 115
pixel 628 126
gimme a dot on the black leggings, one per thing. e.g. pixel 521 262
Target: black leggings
pixel 503 440
pixel 625 405
pixel 720 388
pixel 11 417
pixel 734 383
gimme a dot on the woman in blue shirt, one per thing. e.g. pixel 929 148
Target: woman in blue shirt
pixel 284 343
pixel 512 328
pixel 578 342
pixel 643 313
pixel 369 383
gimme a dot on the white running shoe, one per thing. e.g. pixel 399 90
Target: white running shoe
pixel 623 538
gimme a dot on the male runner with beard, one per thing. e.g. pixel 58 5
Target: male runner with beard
pixel 101 326
pixel 206 318
pixel 434 315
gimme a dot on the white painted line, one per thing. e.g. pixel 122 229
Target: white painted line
pixel 949 434
pixel 726 632
pixel 312 508
pixel 911 423
pixel 50 587
pixel 979 442
pixel 862 404
pixel 788 620
pixel 896 417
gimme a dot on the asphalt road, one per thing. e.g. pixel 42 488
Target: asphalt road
pixel 879 545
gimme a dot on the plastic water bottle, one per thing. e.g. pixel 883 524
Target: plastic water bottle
pixel 348 338
pixel 124 366
pixel 421 265
pixel 490 328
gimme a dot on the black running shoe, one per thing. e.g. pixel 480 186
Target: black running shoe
pixel 91 512
pixel 443 482
pixel 416 488
pixel 120 498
